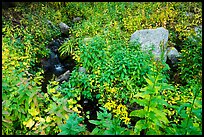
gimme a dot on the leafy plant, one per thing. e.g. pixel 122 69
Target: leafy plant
pixel 72 126
pixel 106 125
pixel 66 48
pixel 118 74
pixel 152 117
pixel 189 115
pixel 191 58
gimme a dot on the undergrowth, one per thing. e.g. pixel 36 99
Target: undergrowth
pixel 134 91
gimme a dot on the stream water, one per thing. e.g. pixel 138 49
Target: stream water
pixel 54 65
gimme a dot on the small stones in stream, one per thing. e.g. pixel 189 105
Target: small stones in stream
pixel 64 76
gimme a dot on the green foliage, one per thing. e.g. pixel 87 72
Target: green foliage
pixel 66 48
pixel 118 74
pixel 72 126
pixel 189 112
pixel 152 117
pixel 106 125
pixel 190 66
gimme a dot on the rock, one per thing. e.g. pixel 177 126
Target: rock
pixel 82 69
pixel 77 19
pixel 64 77
pixel 152 37
pixel 64 28
pixel 87 39
pixel 51 24
pixel 172 54
pixel 198 30
pixel 189 14
pixel 46 64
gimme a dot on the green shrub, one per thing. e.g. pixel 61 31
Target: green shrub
pixel 190 66
pixel 72 126
pixel 118 73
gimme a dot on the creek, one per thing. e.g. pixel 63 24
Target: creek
pixel 56 65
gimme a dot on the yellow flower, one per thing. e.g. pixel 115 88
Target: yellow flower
pixel 124 113
pixel 48 119
pixel 126 120
pixel 71 101
pixel 52 90
pixel 70 106
pixel 33 112
pixel 75 109
pixel 113 104
pixel 29 123
pixel 42 120
pixel 108 106
pixel 112 90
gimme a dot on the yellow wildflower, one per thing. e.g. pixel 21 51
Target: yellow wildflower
pixel 112 90
pixel 48 119
pixel 108 106
pixel 126 120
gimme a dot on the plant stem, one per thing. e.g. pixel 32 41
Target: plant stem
pixel 150 100
pixel 191 111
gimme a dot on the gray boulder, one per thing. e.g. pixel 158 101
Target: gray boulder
pixel 173 54
pixel 157 38
pixel 87 39
pixel 64 28
pixel 198 30
pixel 82 69
pixel 77 19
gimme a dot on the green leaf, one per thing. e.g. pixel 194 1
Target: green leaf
pixel 149 81
pixel 154 118
pixel 139 126
pixel 107 123
pixel 63 133
pixel 143 102
pixel 166 86
pixel 138 113
pixel 95 131
pixel 151 132
pixel 183 106
pixel 95 122
pixel 160 115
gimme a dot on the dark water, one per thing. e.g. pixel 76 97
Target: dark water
pixel 54 65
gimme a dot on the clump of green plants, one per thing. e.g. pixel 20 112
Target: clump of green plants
pixel 119 75
pixel 152 118
pixel 190 66
pixel 72 126
pixel 106 125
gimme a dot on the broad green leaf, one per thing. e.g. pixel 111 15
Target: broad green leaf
pixel 141 102
pixel 95 122
pixel 95 131
pixel 161 115
pixel 138 113
pixel 139 126
pixel 151 132
pixel 165 86
pixel 154 118
pixel 183 106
